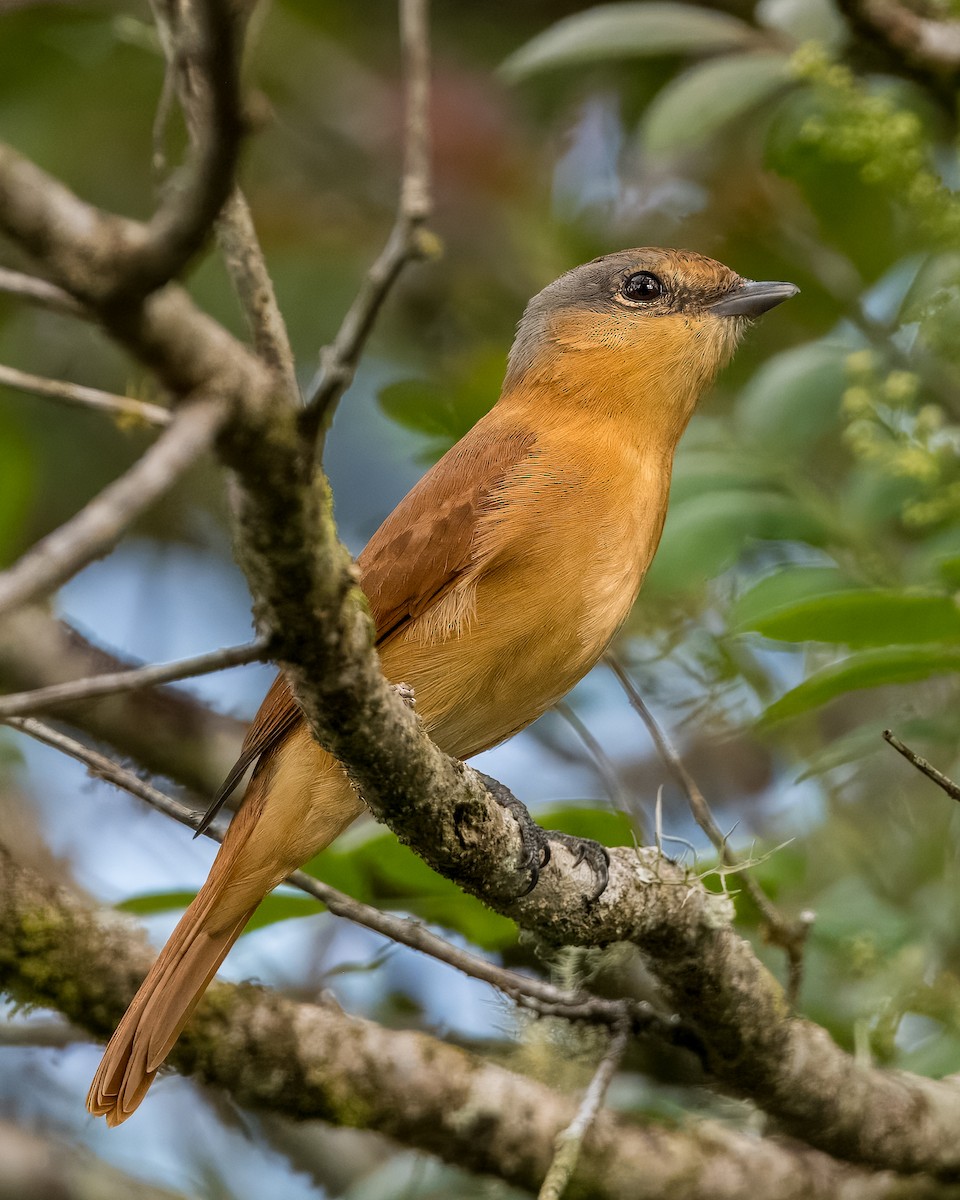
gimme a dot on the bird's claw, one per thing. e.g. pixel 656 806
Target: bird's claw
pixel 587 850
pixel 534 839
pixel 536 843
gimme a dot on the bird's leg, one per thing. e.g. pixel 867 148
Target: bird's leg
pixel 536 841
pixel 536 847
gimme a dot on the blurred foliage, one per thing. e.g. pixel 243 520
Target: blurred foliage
pixel 806 592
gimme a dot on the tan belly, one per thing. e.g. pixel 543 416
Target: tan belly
pixel 526 641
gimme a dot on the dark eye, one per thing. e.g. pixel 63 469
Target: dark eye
pixel 642 288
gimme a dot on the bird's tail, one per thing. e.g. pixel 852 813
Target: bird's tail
pixel 162 1006
pixel 296 804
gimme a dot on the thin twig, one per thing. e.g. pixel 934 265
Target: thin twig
pixel 18 704
pixel 97 528
pixel 952 789
pixel 534 994
pixel 605 768
pixel 165 730
pixel 920 39
pixel 408 239
pixel 38 291
pixel 790 936
pixel 135 411
pixel 237 237
pixel 236 233
pixel 570 1140
pixel 193 198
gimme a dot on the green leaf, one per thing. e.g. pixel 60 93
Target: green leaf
pixel 794 398
pixel 616 31
pixel 881 617
pixel 419 405
pixel 695 106
pixel 706 534
pixel 445 410
pixel 388 874
pixel 867 669
pixel 949 569
pixel 17 487
pixel 467 916
pixel 154 902
pixel 610 828
pixel 784 587
pixel 278 906
pixel 712 470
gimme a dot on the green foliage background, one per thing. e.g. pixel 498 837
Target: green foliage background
pixel 805 595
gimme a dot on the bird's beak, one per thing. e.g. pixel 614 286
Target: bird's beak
pixel 751 298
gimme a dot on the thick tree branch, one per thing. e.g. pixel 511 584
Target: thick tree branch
pixel 570 1140
pixel 98 527
pixel 305 1061
pixel 135 411
pixel 36 1168
pixel 533 994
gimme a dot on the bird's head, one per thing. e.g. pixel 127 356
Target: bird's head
pixel 647 327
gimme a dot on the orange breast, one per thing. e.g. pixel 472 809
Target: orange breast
pixel 556 569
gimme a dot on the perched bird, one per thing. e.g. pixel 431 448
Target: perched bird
pixel 495 584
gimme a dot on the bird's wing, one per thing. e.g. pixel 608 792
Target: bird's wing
pixel 417 554
pixel 426 543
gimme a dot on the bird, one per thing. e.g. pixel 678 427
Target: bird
pixel 495 585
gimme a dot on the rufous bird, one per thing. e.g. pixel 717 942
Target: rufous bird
pixel 495 584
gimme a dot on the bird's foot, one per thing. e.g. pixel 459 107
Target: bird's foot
pixel 594 854
pixel 534 839
pixel 536 842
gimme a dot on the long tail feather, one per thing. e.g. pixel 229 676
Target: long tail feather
pixel 297 802
pixel 160 1009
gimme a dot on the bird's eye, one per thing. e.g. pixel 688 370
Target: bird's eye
pixel 642 288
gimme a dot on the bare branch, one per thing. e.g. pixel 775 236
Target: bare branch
pixel 20 703
pixel 165 730
pixel 923 40
pixel 243 256
pixel 124 407
pixel 38 291
pixel 790 936
pixel 236 233
pixel 408 240
pixel 605 768
pixel 570 1141
pixel 125 260
pixel 97 528
pixel 952 789
pixel 194 197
